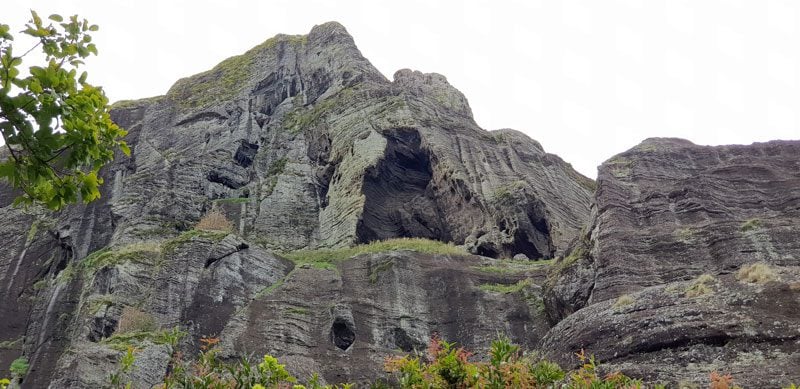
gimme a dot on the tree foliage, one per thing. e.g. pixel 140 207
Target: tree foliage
pixel 56 126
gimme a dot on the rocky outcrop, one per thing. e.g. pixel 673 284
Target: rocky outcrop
pixel 652 286
pixel 312 130
pixel 302 144
pixel 377 305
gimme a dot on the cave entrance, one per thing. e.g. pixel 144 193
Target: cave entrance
pixel 532 237
pixel 398 202
pixel 342 333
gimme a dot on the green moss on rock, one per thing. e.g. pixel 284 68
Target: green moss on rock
pixel 226 80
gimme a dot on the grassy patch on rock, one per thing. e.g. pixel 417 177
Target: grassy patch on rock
pixel 505 288
pixel 141 252
pixel 226 80
pixel 11 344
pixel 169 246
pixel 513 266
pixel 623 301
pixel 756 273
pixel 327 258
pixel 123 341
pixel 701 286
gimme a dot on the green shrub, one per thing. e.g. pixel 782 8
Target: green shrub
pixel 546 373
pixel 277 167
pixel 209 372
pixel 11 344
pixel 378 269
pixel 448 367
pixel 19 367
pixel 142 252
pixel 169 247
pixel 587 376
pixel 136 339
pixel 443 365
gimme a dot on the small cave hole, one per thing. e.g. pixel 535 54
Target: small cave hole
pixel 485 251
pixel 342 333
pixel 403 341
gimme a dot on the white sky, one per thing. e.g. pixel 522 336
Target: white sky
pixel 588 79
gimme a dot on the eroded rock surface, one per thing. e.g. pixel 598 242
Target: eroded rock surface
pixel 667 212
pixel 302 144
pixel 320 150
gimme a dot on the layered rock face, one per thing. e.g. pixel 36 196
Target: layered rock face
pixel 324 152
pixel 686 260
pixel 302 144
pixel 667 212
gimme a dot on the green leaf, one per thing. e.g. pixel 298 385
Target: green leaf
pixel 7 169
pixel 4 28
pixel 35 86
pixel 37 21
pixel 89 189
pixel 51 166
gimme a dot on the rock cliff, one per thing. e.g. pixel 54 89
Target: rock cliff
pixel 689 264
pixel 680 260
pixel 303 145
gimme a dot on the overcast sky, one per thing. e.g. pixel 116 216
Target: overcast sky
pixel 588 79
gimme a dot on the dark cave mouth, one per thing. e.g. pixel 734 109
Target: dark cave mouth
pixel 342 333
pixel 398 200
pixel 401 203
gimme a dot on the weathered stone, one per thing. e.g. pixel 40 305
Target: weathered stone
pixel 666 212
pixel 665 334
pixel 302 144
pixel 344 322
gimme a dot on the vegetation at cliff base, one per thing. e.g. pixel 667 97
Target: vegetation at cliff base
pixel 441 365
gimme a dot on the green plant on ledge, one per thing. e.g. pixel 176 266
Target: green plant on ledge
pixel 327 258
pixel 506 288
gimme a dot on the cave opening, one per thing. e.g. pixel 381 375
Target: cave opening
pixel 398 201
pixel 532 236
pixel 342 333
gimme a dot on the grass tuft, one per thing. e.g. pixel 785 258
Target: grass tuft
pixel 700 286
pixel 135 320
pixel 513 266
pixel 623 301
pixel 142 252
pixel 214 220
pixel 506 288
pixel 756 273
